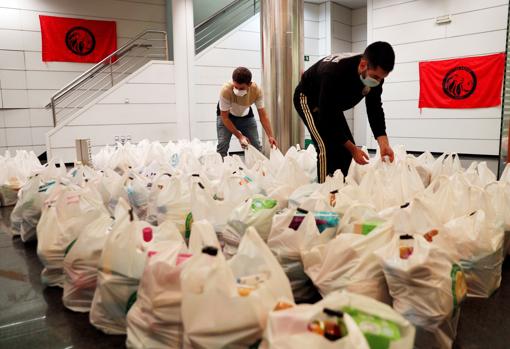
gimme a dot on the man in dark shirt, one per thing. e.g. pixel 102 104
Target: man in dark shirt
pixel 337 83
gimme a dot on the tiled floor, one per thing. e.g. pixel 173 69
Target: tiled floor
pixel 32 316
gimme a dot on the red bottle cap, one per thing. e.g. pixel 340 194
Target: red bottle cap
pixel 147 234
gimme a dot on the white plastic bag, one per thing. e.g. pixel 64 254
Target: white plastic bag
pixel 445 165
pixel 81 264
pixel 138 194
pixel 348 262
pixel 121 267
pixel 67 212
pixel 479 248
pixel 290 237
pixel 252 156
pixel 499 193
pixel 427 289
pixel 205 205
pixel 257 212
pixel 25 215
pixel 154 320
pixel 217 312
pixel 170 200
pixel 288 328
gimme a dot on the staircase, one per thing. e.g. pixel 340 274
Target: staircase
pixel 146 46
pixel 222 22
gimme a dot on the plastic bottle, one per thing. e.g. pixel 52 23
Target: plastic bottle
pixel 406 245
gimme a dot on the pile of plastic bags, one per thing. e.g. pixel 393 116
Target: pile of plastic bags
pixel 14 172
pixel 176 247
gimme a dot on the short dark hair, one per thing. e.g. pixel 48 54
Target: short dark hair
pixel 241 75
pixel 380 54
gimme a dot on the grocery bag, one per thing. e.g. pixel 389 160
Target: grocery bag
pixel 347 262
pixel 427 288
pixel 25 215
pixel 225 305
pixel 368 324
pixel 81 262
pixel 121 267
pixel 479 249
pixel 138 194
pixel 154 320
pixel 293 233
pixel 256 212
pixel 66 213
pixel 205 205
pixel 170 200
pixel 499 193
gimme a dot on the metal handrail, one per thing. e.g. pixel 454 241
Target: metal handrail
pixel 105 62
pixel 222 21
pixel 215 14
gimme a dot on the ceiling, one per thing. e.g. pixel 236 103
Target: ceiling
pixel 347 3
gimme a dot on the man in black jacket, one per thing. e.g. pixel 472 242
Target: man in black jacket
pixel 337 83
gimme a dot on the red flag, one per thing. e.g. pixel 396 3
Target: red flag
pixel 76 40
pixel 473 82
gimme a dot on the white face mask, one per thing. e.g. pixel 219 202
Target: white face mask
pixel 368 81
pixel 239 93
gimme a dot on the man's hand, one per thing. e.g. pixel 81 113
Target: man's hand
pixel 360 156
pixel 385 148
pixel 357 154
pixel 243 140
pixel 272 142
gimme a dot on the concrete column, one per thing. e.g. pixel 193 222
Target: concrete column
pixel 184 53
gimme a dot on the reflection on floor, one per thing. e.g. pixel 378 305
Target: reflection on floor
pixel 32 316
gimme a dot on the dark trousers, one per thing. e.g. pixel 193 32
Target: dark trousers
pixel 331 153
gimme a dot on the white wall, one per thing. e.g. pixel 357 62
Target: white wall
pixel 315 35
pixel 359 29
pixel 477 28
pixel 141 106
pixel 359 42
pixel 341 28
pixel 26 83
pixel 341 41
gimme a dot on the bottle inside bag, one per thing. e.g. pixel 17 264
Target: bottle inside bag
pixel 365 227
pixel 406 245
pixel 146 237
pixel 429 236
pixel 147 234
pixel 282 305
pixel 323 219
pixel 249 283
pixel 331 325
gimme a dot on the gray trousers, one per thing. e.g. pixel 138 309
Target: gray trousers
pixel 247 126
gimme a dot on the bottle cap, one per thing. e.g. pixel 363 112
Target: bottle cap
pixel 332 312
pixel 147 234
pixel 210 250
